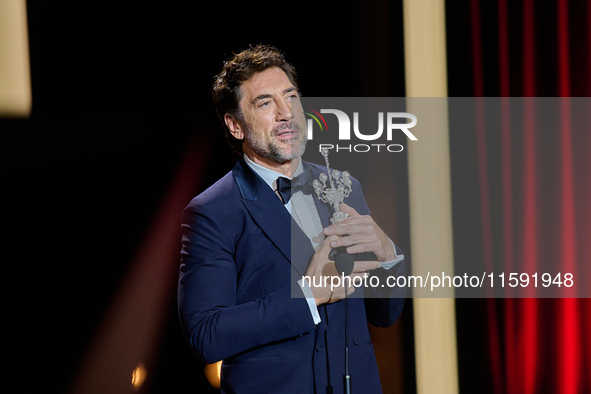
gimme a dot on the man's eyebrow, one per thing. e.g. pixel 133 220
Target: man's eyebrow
pixel 267 95
pixel 261 97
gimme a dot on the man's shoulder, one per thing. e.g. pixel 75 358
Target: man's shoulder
pixel 217 194
pixel 315 167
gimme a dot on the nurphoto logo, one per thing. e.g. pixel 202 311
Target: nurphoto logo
pixel 394 122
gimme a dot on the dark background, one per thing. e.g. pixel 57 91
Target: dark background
pixel 120 89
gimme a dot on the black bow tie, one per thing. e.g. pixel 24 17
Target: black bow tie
pixel 302 182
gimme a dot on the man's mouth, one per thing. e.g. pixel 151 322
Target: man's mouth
pixel 287 134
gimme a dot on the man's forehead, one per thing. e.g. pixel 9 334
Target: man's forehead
pixel 271 80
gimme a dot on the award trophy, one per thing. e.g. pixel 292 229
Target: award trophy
pixel 334 193
pixel 340 188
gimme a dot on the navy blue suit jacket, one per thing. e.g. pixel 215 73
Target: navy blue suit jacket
pixel 235 295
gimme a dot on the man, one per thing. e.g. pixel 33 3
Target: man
pixel 240 252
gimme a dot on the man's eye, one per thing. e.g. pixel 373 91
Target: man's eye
pixel 264 104
pixel 292 97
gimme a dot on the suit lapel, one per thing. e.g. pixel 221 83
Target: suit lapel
pixel 264 207
pixel 270 215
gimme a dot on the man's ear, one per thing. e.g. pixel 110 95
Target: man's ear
pixel 234 126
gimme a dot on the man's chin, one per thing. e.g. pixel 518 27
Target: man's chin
pixel 295 153
pixel 292 151
pixel 286 157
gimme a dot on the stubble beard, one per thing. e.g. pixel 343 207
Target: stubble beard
pixel 273 150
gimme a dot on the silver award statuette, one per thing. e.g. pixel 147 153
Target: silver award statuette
pixel 333 193
pixel 336 191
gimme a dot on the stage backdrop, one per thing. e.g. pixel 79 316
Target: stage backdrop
pixel 527 192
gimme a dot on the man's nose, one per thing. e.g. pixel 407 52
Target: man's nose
pixel 284 111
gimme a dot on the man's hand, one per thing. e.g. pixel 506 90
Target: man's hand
pixel 327 286
pixel 361 234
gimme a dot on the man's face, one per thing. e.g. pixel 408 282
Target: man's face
pixel 272 118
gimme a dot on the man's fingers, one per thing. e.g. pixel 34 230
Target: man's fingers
pixel 354 239
pixel 320 259
pixel 348 226
pixel 325 245
pixel 364 266
pixel 338 293
pixel 347 209
pixel 352 225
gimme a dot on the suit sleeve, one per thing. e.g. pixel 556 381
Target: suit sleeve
pixel 215 326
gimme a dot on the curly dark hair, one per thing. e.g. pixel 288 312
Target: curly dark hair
pixel 239 69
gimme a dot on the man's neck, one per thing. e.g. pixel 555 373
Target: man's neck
pixel 287 168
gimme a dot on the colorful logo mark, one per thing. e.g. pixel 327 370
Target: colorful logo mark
pixel 315 117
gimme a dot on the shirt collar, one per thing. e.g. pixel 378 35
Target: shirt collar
pixel 268 175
